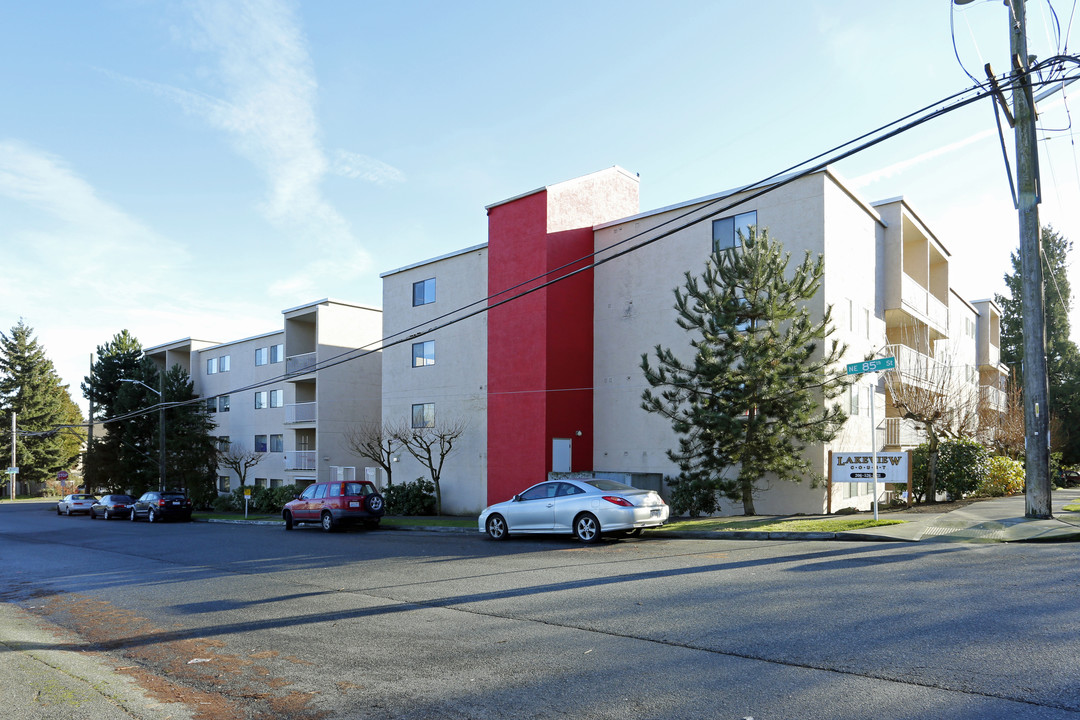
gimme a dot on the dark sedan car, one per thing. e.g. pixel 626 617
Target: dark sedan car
pixel 112 506
pixel 158 506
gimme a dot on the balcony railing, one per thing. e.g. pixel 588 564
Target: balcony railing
pixel 301 459
pixel 919 299
pixel 301 413
pixel 900 432
pixel 993 397
pixel 297 364
pixel 914 366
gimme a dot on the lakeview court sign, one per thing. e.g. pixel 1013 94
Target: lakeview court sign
pixel 858 466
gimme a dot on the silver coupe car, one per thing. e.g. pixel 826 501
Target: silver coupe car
pixel 585 508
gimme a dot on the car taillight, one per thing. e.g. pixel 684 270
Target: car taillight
pixel 161 503
pixel 621 502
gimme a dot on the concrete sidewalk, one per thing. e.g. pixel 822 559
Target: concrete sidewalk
pixel 50 675
pixel 993 520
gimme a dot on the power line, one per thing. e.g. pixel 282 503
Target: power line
pixel 705 211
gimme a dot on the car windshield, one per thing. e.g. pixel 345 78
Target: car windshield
pixel 355 488
pixel 610 485
pixel 120 498
pixel 82 497
pixel 172 496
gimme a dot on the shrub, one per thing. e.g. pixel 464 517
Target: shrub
pixel 961 467
pixel 225 503
pixel 415 498
pixel 1004 476
pixel 692 497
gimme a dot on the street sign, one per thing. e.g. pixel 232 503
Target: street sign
pixel 62 475
pixel 850 467
pixel 13 471
pixel 870 366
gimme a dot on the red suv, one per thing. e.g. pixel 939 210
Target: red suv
pixel 336 504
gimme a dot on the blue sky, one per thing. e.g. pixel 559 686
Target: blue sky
pixel 193 168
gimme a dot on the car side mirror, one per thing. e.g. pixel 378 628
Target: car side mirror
pixel 517 498
pixel 295 497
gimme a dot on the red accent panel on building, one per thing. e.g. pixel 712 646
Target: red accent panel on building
pixel 540 347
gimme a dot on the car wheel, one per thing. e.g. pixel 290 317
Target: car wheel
pixel 67 511
pixel 58 510
pixel 107 515
pixel 587 528
pixel 496 527
pixel 288 520
pixel 151 516
pixel 133 518
pixel 374 503
pixel 327 522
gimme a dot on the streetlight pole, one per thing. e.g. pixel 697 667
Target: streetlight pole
pixel 161 424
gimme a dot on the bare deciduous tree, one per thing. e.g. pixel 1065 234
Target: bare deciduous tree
pixel 1002 427
pixel 430 446
pixel 378 443
pixel 239 460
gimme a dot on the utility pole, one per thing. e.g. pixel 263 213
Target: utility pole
pixel 1033 321
pixel 13 466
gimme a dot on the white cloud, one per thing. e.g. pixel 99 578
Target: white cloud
pixel 357 166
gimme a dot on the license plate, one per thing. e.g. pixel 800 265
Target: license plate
pixel 655 512
pixel 354 503
pixel 175 502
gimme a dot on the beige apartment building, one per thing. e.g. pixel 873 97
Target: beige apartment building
pixel 886 280
pixel 293 394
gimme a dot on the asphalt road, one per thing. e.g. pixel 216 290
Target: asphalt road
pixel 253 622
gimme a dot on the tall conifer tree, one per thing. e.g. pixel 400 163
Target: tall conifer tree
pixel 756 391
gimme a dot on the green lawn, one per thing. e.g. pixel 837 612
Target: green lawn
pixel 774 525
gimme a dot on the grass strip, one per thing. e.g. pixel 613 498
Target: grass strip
pixel 774 525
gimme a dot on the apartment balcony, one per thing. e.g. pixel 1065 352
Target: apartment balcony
pixel 916 367
pixel 994 398
pixel 917 301
pixel 993 356
pixel 301 460
pixel 300 364
pixel 297 413
pixel 901 432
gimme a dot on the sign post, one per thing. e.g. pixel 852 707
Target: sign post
pixel 871 367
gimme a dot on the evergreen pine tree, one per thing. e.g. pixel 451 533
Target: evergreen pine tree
pixel 1062 355
pixel 757 389
pixel 108 460
pixel 30 387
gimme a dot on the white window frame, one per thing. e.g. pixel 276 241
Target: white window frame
pixel 262 356
pixel 427 415
pixel 277 353
pixel 426 294
pixel 726 230
pixel 277 398
pixel 211 366
pixel 260 399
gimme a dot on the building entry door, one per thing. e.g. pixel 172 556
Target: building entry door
pixel 560 454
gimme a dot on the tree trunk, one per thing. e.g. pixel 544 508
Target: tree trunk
pixel 748 497
pixel 931 466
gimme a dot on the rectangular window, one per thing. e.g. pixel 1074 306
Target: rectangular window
pixel 224 363
pixel 423 353
pixel 211 405
pixel 277 443
pixel 423 292
pixel 223 483
pixel 277 398
pixel 260 443
pixel 223 443
pixel 853 399
pixel 260 399
pixel 211 366
pixel 260 482
pixel 423 415
pixel 276 482
pixel 262 356
pixel 729 233
pixel 277 353
pixel 223 403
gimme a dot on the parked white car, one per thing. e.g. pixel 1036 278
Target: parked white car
pixel 585 508
pixel 75 504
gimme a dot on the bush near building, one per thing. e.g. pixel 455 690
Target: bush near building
pixel 415 498
pixel 1004 476
pixel 961 468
